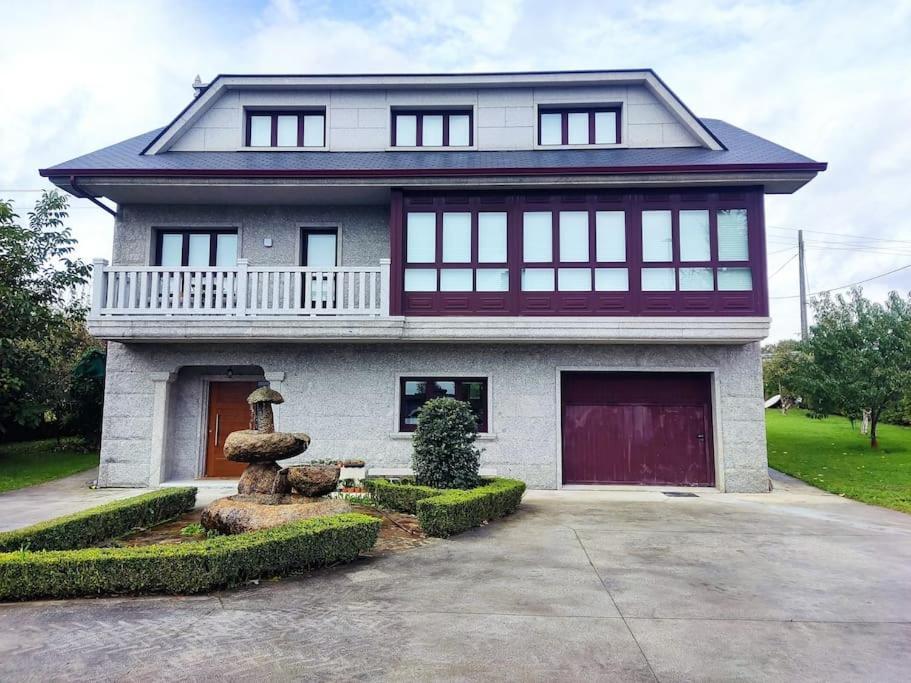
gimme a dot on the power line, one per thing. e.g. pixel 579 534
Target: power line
pixel 852 284
pixel 780 268
pixel 850 236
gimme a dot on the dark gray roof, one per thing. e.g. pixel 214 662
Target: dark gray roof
pixel 745 151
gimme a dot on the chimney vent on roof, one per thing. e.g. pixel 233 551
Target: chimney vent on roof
pixel 198 86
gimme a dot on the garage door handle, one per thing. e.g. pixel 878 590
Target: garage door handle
pixel 701 437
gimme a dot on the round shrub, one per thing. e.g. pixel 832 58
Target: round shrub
pixel 445 456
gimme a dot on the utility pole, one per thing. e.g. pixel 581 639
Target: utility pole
pixel 803 287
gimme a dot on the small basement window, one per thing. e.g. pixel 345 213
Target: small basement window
pixel 416 391
pixel 291 128
pixel 432 128
pixel 579 126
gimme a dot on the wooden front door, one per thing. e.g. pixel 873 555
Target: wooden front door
pixel 228 412
pixel 637 428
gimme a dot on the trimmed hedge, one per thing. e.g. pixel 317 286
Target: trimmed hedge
pixel 101 523
pixel 445 512
pixel 402 497
pixel 218 562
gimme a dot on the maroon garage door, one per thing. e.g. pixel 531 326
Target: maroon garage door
pixel 637 428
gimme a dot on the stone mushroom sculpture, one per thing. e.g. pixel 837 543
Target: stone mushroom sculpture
pixel 261 447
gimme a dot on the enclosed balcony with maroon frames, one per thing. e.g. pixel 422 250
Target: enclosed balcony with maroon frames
pixel 699 253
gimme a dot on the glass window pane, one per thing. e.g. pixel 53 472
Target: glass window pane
pixel 658 280
pixel 226 250
pixel 735 279
pixel 732 235
pixel 573 236
pixel 578 128
pixel 694 236
pixel 537 236
pixel 551 129
pixel 656 236
pixel 456 237
pixel 171 250
pixel 492 280
pixel 458 130
pixel 406 130
pixel 610 236
pixel 260 131
pixel 537 279
pixel 696 280
pixel 432 135
pixel 420 280
pixel 314 128
pixel 421 238
pixel 441 387
pixel 321 250
pixel 492 237
pixel 287 131
pixel 611 280
pixel 605 127
pixel 574 280
pixel 455 280
pixel 199 250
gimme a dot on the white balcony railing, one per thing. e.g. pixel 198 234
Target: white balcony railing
pixel 242 290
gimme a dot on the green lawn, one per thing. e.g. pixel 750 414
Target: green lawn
pixel 34 462
pixel 830 455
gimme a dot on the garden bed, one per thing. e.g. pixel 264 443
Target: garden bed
pixel 61 558
pixel 446 512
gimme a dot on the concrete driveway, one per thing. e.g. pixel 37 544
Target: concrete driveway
pixel 794 585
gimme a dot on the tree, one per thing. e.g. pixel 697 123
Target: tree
pixel 38 314
pixel 858 356
pixel 445 456
pixel 781 364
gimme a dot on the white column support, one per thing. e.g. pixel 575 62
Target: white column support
pixel 275 380
pixel 98 278
pixel 161 405
pixel 242 276
pixel 384 287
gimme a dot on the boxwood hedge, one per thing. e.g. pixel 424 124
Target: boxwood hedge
pixel 445 512
pixel 188 567
pixel 101 523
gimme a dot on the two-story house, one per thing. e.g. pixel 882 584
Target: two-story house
pixel 575 254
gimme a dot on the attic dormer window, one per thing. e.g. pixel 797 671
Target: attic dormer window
pixel 431 128
pixel 578 125
pixel 291 128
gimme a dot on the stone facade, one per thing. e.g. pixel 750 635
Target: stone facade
pixel 345 397
pixel 363 230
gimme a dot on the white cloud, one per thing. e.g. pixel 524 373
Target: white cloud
pixel 828 79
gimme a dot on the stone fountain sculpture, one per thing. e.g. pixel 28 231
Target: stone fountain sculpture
pixel 264 488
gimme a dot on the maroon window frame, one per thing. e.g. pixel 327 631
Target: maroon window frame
pixel 185 249
pixel 479 406
pixel 274 114
pixel 419 125
pixel 564 123
pixel 515 302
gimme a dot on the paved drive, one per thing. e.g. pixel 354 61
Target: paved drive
pixel 794 585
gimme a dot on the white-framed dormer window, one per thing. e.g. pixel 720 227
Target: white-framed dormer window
pixel 286 128
pixel 432 128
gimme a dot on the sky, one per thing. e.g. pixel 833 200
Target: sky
pixel 829 79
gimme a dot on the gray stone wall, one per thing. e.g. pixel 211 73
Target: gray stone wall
pixel 363 230
pixel 344 396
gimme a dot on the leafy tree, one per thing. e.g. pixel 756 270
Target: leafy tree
pixel 445 456
pixel 38 313
pixel 859 356
pixel 781 365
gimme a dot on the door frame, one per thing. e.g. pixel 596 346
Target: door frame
pixel 319 228
pixel 718 446
pixel 202 437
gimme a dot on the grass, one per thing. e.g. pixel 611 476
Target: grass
pixel 830 455
pixel 34 462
